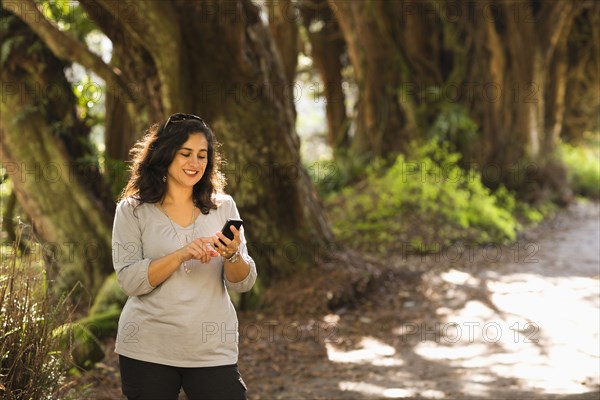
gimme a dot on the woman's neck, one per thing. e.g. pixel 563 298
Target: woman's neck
pixel 178 197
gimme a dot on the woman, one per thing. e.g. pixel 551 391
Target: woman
pixel 178 327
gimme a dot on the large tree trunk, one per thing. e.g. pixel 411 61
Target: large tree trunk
pixel 243 94
pixel 42 143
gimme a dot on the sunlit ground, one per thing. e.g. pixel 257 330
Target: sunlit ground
pixel 536 330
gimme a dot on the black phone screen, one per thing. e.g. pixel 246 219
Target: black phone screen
pixel 231 222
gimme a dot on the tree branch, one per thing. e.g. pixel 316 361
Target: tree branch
pixel 64 46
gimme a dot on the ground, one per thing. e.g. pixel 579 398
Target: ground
pixel 512 322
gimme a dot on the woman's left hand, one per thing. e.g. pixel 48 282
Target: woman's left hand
pixel 231 246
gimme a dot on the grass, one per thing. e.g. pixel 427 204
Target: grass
pixel 32 365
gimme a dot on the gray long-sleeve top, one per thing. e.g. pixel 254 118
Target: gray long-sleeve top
pixel 189 319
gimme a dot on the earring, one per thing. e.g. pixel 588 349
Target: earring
pixel 164 178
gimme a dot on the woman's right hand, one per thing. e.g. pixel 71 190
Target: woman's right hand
pixel 199 249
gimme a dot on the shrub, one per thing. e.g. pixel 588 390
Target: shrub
pixel 422 203
pixel 583 166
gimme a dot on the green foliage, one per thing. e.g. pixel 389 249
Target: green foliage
pixel 84 347
pixel 116 172
pixel 583 165
pixel 453 124
pixel 31 366
pixel 102 325
pixel 109 296
pixel 87 92
pixel 331 176
pixel 7 46
pixel 422 203
pixel 68 15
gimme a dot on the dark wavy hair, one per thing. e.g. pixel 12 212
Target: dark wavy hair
pixel 152 155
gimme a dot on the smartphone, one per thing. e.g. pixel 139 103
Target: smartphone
pixel 227 232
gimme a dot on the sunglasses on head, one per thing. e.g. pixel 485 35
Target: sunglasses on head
pixel 180 117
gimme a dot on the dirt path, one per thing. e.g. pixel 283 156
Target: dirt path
pixel 513 322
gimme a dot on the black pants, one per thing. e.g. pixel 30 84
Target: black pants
pixel 143 380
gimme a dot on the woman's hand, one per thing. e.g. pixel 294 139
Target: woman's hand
pixel 231 246
pixel 199 249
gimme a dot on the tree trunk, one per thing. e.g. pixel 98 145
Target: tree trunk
pixel 397 52
pixel 582 92
pixel 515 47
pixel 243 95
pixel 327 47
pixel 382 126
pixel 284 29
pixel 42 143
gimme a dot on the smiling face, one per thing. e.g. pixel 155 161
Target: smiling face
pixel 189 162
